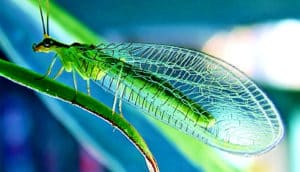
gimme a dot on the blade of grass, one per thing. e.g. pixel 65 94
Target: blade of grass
pixel 54 89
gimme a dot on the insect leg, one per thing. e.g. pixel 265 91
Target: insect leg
pixel 120 100
pixel 59 73
pixel 74 80
pixel 115 101
pixel 88 87
pixel 75 85
pixel 117 90
pixel 49 69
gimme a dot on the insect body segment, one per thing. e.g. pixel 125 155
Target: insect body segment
pixel 155 96
pixel 140 88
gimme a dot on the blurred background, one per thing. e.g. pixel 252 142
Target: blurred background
pixel 37 133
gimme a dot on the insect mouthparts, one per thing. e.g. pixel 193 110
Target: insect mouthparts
pixel 34 47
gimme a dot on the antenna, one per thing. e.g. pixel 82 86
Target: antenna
pixel 47 19
pixel 41 12
pixel 45 32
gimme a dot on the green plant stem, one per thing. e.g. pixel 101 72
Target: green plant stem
pixel 54 89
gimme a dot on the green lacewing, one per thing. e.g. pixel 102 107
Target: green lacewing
pixel 194 92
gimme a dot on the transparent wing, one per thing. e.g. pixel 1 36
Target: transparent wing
pixel 246 120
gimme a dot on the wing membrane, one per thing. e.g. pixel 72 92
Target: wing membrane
pixel 246 120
